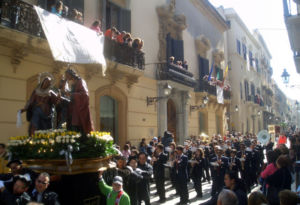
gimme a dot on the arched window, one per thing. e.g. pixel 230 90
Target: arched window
pixel 109 116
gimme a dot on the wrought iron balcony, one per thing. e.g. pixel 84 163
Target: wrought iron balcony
pixel 175 73
pixel 21 16
pixel 124 54
pixel 204 86
pixel 292 21
pixel 227 94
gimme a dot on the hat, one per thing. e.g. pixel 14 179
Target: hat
pixel 155 138
pixel 118 180
pixel 14 161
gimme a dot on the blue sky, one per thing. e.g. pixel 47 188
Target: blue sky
pixel 267 16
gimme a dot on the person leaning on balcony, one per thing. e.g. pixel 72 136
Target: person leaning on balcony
pixel 115 193
pixel 171 60
pixel 109 33
pixel 137 44
pixel 96 27
pixel 57 8
pixel 127 38
pixel 120 37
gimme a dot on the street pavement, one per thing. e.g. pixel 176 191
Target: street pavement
pixel 172 199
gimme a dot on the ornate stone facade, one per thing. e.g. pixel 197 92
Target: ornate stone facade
pixel 169 23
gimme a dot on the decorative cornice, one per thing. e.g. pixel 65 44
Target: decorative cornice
pixel 218 57
pixel 212 14
pixel 18 55
pixel 202 45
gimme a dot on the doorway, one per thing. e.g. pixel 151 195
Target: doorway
pixel 172 121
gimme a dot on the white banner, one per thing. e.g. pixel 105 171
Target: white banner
pixel 71 42
pixel 220 97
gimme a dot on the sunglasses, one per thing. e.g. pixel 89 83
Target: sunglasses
pixel 41 182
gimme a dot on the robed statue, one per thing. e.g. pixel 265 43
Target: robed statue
pixel 79 116
pixel 50 107
pixel 40 106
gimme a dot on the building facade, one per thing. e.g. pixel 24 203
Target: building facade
pixel 249 75
pixel 130 100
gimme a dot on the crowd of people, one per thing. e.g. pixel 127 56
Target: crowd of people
pixel 233 164
pixel 63 11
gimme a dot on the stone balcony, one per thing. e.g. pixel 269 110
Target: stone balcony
pixel 166 71
pixel 203 86
pixel 21 31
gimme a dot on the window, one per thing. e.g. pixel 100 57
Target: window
pixel 241 90
pixel 257 65
pixel 202 121
pixel 252 89
pixel 238 46
pixel 244 51
pixel 109 116
pixel 203 67
pixel 175 48
pixel 218 124
pixel 250 58
pixel 246 89
pixel 118 17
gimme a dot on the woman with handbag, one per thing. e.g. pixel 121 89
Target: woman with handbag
pixel 280 180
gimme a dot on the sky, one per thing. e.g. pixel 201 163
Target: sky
pixel 267 17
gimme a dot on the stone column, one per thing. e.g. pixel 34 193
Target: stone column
pixel 162 114
pixel 182 116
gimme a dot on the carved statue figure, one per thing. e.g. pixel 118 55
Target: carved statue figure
pixel 79 117
pixel 40 107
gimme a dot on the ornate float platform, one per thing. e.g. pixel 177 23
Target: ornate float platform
pixel 59 167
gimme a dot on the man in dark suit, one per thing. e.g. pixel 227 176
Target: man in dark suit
pixel 234 163
pixel 40 193
pixel 219 165
pixel 245 157
pixel 158 161
pixel 144 184
pixel 181 177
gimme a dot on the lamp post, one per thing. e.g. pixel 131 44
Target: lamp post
pixel 285 77
pixel 166 91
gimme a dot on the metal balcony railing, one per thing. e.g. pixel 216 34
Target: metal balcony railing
pixel 227 94
pixel 124 54
pixel 166 71
pixel 21 16
pixel 204 86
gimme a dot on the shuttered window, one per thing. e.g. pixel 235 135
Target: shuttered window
pixel 118 17
pixel 174 48
pixel 203 67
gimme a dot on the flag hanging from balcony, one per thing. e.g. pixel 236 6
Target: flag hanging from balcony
pixel 71 42
pixel 225 75
pixel 220 97
pixel 211 71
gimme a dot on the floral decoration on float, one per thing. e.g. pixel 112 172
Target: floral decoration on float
pixel 60 151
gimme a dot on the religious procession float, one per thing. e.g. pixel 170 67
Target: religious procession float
pixel 61 138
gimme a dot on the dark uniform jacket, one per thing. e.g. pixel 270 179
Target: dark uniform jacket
pixel 144 184
pixel 219 171
pixel 48 197
pixel 181 168
pixel 158 166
